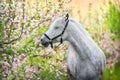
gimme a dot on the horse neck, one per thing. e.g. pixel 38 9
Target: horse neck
pixel 79 39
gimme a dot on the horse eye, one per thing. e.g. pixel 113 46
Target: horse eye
pixel 56 27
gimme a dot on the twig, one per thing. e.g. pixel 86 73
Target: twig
pixel 11 41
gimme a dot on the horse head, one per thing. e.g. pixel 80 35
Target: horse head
pixel 57 31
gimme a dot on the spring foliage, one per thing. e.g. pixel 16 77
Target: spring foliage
pixel 23 22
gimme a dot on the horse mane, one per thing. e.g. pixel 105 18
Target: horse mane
pixel 82 41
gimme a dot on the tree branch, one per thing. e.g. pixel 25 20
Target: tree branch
pixel 11 41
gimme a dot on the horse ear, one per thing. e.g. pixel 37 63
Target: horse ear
pixel 66 16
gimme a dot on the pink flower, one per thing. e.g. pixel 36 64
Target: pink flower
pixel 7 12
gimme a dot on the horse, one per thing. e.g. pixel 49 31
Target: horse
pixel 85 60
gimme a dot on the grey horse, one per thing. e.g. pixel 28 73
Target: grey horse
pixel 85 60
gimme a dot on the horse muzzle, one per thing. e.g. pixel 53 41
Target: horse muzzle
pixel 44 42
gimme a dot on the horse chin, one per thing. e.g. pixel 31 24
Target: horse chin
pixel 46 45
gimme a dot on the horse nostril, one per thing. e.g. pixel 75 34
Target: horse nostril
pixel 41 40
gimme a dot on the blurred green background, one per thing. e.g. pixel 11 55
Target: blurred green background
pixel 22 22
